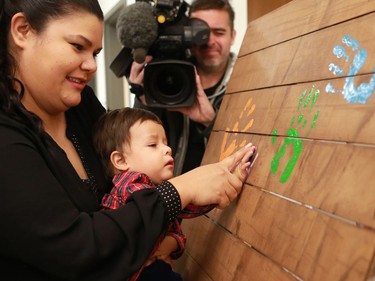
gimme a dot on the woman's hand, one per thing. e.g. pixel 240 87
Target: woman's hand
pixel 218 183
pixel 167 246
pixel 243 168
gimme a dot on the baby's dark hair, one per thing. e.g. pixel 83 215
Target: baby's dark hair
pixel 113 130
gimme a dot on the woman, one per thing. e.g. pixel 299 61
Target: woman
pixel 50 178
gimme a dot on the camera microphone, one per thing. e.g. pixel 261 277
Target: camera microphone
pixel 137 29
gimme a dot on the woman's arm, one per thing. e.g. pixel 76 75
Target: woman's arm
pixel 46 230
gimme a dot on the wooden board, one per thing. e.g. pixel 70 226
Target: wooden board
pixel 238 263
pixel 303 91
pixel 331 177
pixel 301 60
pixel 299 18
pixel 251 112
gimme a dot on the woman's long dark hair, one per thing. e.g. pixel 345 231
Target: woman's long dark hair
pixel 38 14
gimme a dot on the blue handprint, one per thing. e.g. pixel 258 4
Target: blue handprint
pixel 351 93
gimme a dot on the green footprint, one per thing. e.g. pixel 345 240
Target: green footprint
pixel 306 101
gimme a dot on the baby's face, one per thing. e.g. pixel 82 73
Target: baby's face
pixel 148 151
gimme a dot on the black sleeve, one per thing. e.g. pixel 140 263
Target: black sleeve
pixel 43 231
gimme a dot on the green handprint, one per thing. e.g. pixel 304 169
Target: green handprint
pixel 293 136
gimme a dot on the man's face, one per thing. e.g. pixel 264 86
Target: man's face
pixel 213 56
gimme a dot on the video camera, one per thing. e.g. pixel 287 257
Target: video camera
pixel 169 79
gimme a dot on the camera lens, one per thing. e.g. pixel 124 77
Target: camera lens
pixel 169 83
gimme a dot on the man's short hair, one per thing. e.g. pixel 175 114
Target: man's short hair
pixel 198 5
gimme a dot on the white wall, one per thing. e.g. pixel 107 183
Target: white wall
pixel 240 22
pixel 107 5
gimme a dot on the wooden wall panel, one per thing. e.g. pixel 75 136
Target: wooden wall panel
pixel 283 223
pixel 331 177
pixel 251 112
pixel 301 60
pixel 239 261
pixel 307 243
pixel 302 90
pixel 299 18
pixel 257 8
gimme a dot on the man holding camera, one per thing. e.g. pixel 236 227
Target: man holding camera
pixel 188 128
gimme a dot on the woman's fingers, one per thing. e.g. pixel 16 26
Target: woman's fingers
pixel 232 161
pixel 243 168
pixel 238 164
pixel 231 192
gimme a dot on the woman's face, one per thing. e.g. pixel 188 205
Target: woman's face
pixel 55 64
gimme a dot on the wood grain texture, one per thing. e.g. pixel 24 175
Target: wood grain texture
pixel 308 243
pixel 299 18
pixel 257 9
pixel 303 59
pixel 225 257
pixel 263 111
pixel 332 177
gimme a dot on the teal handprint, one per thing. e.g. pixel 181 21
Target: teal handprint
pixel 306 101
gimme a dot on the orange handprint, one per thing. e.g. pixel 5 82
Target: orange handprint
pixel 227 149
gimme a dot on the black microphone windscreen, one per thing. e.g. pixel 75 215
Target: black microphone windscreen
pixel 137 26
